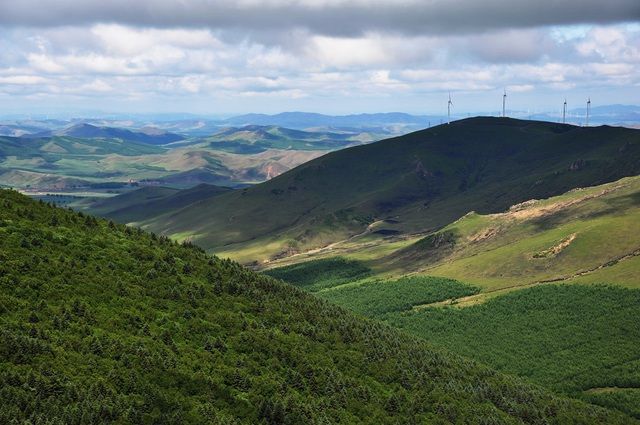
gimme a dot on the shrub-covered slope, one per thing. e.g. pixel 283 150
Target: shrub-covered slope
pixel 102 323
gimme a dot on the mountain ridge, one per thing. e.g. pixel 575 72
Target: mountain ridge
pixel 427 179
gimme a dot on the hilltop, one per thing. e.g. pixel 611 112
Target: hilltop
pixel 104 323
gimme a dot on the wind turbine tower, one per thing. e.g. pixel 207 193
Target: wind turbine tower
pixel 564 112
pixel 504 102
pixel 449 105
pixel 588 110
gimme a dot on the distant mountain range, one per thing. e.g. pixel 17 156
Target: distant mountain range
pixel 303 120
pixel 392 123
pixel 259 138
pixel 624 115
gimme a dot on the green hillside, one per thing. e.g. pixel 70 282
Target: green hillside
pixel 570 338
pixel 585 235
pixel 103 323
pixel 414 183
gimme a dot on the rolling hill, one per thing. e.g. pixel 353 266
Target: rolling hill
pixel 587 234
pixel 151 136
pixel 66 163
pixel 413 184
pixel 102 323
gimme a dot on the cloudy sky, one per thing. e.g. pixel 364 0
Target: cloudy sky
pixel 332 56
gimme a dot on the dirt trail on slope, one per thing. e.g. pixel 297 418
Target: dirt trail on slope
pixel 478 298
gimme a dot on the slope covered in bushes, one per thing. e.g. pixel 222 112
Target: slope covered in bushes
pixel 103 323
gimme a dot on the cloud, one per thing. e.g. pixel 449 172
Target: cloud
pixel 324 17
pixel 325 52
pixel 22 80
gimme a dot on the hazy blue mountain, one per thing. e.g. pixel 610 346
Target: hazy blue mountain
pixel 303 120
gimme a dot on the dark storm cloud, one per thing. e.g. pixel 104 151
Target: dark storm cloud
pixel 328 17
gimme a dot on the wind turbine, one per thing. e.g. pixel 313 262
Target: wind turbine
pixel 564 112
pixel 504 101
pixel 588 110
pixel 449 105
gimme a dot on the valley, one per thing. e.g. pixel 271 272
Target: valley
pixel 534 276
pixel 310 212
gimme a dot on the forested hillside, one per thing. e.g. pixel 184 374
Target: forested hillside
pixel 104 323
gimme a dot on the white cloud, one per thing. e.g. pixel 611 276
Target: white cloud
pixel 23 80
pixel 117 62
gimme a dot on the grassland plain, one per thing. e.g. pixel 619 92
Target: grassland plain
pixel 102 323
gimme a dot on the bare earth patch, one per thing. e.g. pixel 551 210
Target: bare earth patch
pixel 556 249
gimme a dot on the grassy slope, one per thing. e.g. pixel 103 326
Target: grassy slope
pixel 101 323
pixel 593 229
pixel 422 180
pixel 556 238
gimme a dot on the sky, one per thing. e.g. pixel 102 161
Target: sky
pixel 216 57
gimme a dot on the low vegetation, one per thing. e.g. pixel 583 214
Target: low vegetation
pixel 574 339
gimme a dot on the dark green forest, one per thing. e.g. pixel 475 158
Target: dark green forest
pixel 580 340
pixel 316 275
pixel 570 338
pixel 101 323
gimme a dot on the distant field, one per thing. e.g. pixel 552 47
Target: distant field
pixel 88 155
